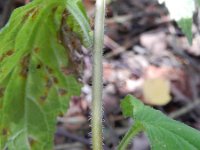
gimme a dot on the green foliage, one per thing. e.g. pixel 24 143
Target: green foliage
pixel 163 132
pixel 182 12
pixel 38 70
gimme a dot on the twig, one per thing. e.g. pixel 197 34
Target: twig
pixel 74 137
pixel 69 146
pixel 185 110
pixel 117 49
pixel 128 17
pixel 179 52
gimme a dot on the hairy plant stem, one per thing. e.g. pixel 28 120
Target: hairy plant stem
pixel 97 76
pixel 133 131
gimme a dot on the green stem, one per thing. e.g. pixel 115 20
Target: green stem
pixel 133 131
pixel 97 76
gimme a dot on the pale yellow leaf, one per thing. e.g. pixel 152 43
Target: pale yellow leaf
pixel 157 91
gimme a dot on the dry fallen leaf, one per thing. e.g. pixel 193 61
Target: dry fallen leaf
pixel 157 91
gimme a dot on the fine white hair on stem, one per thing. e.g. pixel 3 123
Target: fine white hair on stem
pixel 97 76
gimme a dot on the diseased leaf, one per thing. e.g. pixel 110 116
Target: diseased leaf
pixel 163 132
pixel 38 72
pixel 182 12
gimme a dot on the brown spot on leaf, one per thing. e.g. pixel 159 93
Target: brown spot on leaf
pixel 50 71
pixel 62 92
pixel 39 66
pixel 49 83
pixel 4 55
pixel 9 53
pixel 37 49
pixel 31 141
pixel 55 80
pixel 5 132
pixel 35 13
pixel 28 13
pixel 43 98
pixel 2 92
pixel 24 66
pixel 32 12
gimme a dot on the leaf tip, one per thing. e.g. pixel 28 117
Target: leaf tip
pixel 129 104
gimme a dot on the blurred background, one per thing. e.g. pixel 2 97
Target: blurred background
pixel 146 55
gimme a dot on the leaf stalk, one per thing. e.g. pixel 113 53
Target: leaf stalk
pixel 133 131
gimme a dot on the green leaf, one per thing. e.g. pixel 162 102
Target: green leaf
pixel 38 72
pixel 79 21
pixel 182 12
pixel 163 132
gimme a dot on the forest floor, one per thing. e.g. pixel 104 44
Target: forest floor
pixel 144 52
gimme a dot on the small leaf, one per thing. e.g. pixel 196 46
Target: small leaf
pixel 182 12
pixel 128 106
pixel 163 132
pixel 186 26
